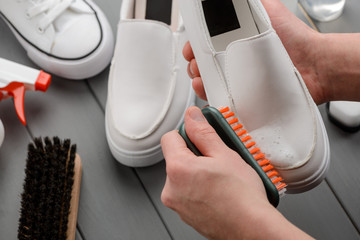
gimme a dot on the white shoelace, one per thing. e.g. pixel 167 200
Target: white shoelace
pixel 53 9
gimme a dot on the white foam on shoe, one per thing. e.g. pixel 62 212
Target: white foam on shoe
pixel 271 141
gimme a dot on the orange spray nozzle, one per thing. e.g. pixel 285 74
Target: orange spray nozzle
pixel 17 91
pixel 16 78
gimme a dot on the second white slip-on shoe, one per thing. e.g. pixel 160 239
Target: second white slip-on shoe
pixel 69 38
pixel 149 89
pixel 345 114
pixel 244 66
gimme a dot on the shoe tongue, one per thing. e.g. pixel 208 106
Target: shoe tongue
pixel 71 15
pixel 81 7
pixel 63 21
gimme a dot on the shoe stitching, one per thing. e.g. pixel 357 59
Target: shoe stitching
pixel 309 101
pixel 259 10
pixel 249 41
pixel 314 118
pixel 173 78
pixel 203 27
pixel 147 21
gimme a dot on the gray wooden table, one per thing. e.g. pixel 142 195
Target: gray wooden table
pixel 118 202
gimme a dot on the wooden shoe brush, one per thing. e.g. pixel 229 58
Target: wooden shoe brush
pixel 50 198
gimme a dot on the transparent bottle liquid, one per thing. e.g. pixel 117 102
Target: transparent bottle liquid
pixel 323 10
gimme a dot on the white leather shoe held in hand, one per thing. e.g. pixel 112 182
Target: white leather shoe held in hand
pixel 345 114
pixel 149 89
pixel 68 38
pixel 244 66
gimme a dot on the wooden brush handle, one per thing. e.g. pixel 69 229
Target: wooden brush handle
pixel 74 203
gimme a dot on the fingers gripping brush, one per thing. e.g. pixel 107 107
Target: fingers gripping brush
pixel 50 197
pixel 236 137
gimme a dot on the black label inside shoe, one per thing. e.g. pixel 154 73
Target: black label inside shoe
pixel 220 16
pixel 159 10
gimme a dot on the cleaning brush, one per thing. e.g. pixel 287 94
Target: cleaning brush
pixel 51 191
pixel 234 135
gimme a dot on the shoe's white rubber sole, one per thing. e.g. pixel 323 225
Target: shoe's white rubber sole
pixel 146 157
pixel 75 69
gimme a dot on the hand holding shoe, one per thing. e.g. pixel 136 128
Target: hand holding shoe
pixel 299 41
pixel 327 62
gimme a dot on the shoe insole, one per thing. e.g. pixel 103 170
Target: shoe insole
pixel 159 10
pixel 228 20
pixel 165 11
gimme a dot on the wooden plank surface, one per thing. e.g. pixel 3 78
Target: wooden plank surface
pixel 297 208
pixel 118 202
pixel 343 177
pixel 12 164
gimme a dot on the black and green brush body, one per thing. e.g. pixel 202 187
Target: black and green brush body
pixel 49 178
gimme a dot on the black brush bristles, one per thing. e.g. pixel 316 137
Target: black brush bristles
pixel 45 201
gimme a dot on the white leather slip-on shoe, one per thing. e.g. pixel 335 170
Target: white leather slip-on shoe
pixel 244 66
pixel 68 38
pixel 149 89
pixel 345 114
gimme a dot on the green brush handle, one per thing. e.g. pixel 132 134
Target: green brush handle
pixel 229 137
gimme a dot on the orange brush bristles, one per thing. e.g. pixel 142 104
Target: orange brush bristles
pixel 253 149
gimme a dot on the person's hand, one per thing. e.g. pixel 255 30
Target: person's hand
pixel 201 189
pixel 300 41
pixel 218 194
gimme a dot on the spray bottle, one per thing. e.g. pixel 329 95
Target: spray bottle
pixel 16 78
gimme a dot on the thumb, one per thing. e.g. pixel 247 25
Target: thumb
pixel 202 134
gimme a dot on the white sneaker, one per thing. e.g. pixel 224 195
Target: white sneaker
pixel 69 38
pixel 149 89
pixel 345 114
pixel 2 133
pixel 244 65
